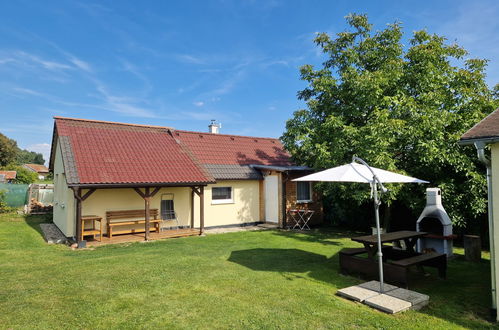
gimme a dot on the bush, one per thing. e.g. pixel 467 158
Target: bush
pixel 4 208
pixel 23 175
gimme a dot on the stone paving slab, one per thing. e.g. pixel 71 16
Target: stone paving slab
pixel 394 300
pixel 388 304
pixel 374 285
pixel 52 234
pixel 417 300
pixel 356 293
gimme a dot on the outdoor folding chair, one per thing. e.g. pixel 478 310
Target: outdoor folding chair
pixel 168 214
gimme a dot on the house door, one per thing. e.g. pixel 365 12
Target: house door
pixel 271 199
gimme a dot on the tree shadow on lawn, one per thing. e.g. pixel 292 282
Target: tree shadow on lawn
pixel 325 236
pixel 34 221
pixel 462 299
pixel 292 263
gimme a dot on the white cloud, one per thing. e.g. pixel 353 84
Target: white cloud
pixel 80 64
pixel 43 148
pixel 191 59
pixel 198 103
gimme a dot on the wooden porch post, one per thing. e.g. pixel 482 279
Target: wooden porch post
pixel 79 199
pixel 201 210
pixel 192 208
pixel 147 200
pixel 79 229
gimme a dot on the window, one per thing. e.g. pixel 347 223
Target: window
pixel 303 192
pixel 221 195
pixel 167 209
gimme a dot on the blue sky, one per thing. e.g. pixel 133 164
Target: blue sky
pixel 182 63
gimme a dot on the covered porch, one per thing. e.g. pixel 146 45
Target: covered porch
pixel 140 208
pixel 140 237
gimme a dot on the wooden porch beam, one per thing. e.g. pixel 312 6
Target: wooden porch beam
pixel 197 190
pixel 139 192
pixel 87 194
pixel 154 192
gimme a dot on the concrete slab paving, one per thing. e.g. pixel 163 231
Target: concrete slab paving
pixel 417 300
pixel 388 304
pixel 356 293
pixel 374 285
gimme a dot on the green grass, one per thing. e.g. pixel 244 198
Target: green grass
pixel 268 279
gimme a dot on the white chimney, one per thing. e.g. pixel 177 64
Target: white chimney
pixel 214 127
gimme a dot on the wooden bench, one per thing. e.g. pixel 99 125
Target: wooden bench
pixel 433 259
pixel 349 262
pixel 118 218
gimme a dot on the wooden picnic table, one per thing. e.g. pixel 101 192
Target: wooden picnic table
pixel 396 262
pixel 371 241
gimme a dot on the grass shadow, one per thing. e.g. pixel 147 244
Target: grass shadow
pixel 292 264
pixel 325 236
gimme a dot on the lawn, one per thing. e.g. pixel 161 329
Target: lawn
pixel 265 279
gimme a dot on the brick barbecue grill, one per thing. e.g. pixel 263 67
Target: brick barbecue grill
pixel 435 221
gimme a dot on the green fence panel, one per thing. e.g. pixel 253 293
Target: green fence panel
pixel 16 195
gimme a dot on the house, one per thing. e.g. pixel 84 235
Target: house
pixel 486 133
pixel 41 170
pixel 207 179
pixel 8 176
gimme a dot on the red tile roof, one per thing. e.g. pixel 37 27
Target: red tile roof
pixel 486 128
pixel 96 152
pixel 9 175
pixel 234 149
pixel 38 168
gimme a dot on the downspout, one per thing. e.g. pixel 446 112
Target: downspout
pixel 480 147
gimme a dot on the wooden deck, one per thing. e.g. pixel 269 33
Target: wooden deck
pixel 138 237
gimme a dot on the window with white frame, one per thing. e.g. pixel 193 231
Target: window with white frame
pixel 221 195
pixel 303 192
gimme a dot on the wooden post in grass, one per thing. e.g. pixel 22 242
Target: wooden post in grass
pixel 472 248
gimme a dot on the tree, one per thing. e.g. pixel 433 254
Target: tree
pixel 400 108
pixel 23 175
pixel 8 150
pixel 29 157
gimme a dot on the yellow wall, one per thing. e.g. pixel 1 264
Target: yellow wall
pixel 64 211
pixel 245 208
pixel 494 148
pixel 103 200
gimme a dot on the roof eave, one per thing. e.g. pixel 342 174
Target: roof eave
pixel 139 185
pixel 485 139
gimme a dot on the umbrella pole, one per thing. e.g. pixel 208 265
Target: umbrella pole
pixel 378 233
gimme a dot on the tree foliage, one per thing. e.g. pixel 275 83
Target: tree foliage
pixel 10 153
pixel 29 157
pixel 8 150
pixel 400 108
pixel 23 175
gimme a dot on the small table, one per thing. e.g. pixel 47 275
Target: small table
pixel 94 231
pixel 371 241
pixel 300 218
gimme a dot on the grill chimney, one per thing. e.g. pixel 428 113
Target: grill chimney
pixel 214 127
pixel 436 222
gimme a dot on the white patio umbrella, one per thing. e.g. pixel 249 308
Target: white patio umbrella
pixel 359 171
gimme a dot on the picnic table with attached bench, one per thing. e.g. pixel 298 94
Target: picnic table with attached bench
pixel 396 262
pixel 129 218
